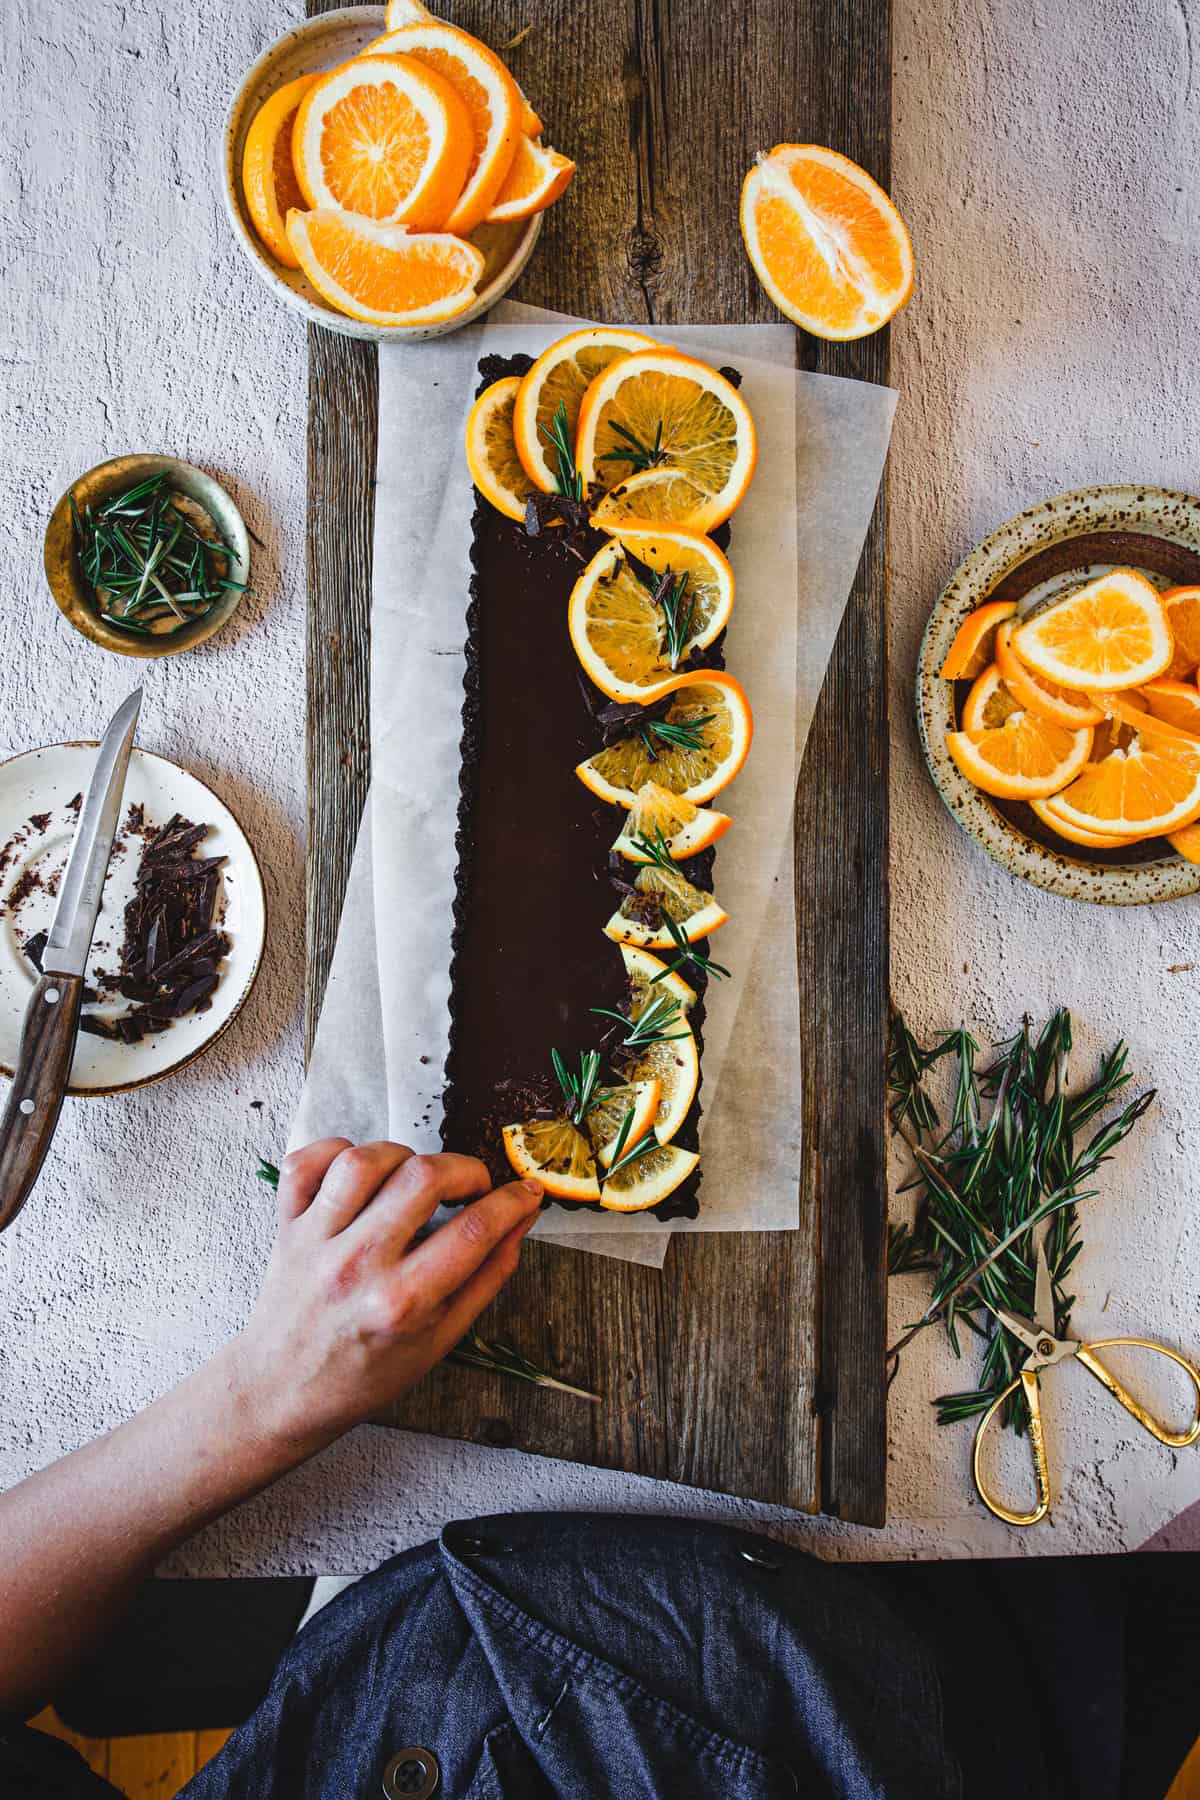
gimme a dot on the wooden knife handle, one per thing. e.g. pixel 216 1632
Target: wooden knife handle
pixel 39 1086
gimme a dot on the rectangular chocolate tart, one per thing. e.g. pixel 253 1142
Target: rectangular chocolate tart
pixel 534 885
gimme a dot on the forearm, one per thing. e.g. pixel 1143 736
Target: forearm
pixel 76 1539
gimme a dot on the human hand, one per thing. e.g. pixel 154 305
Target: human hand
pixel 353 1310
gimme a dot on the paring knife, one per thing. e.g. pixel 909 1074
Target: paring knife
pixel 52 1016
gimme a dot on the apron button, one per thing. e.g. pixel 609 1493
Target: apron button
pixel 413 1773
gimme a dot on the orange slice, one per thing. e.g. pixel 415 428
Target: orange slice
pixel 537 177
pixel 1063 706
pixel 825 241
pixel 709 729
pixel 657 412
pixel 628 641
pixel 556 1152
pixel 560 377
pixel 647 1180
pixel 491 454
pixel 1155 714
pixel 684 829
pixel 662 494
pixel 1151 788
pixel 1183 616
pixel 268 176
pixel 1176 702
pixel 605 1118
pixel 1112 633
pixel 492 101
pixel 1187 841
pixel 674 1060
pixel 971 651
pixel 408 12
pixel 385 137
pixel 384 273
pixel 1092 840
pixel 639 918
pixel 1010 752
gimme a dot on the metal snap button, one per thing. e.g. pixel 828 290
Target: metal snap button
pixel 759 1561
pixel 413 1772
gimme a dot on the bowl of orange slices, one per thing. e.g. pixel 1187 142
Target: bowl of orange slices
pixel 385 174
pixel 1058 695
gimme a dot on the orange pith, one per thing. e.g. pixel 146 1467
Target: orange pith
pixel 537 177
pixel 384 273
pixel 971 651
pixel 1046 698
pixel 825 241
pixel 268 174
pixel 1112 633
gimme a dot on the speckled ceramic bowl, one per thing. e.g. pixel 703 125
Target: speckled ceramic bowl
pixel 1032 559
pixel 323 43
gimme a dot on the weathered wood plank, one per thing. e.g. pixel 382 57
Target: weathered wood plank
pixel 710 1369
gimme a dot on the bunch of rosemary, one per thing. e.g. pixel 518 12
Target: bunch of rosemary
pixel 1008 1159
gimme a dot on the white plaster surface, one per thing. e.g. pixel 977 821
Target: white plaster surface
pixel 1046 158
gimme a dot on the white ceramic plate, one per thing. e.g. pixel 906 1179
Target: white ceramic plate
pixel 37 824
pixel 323 43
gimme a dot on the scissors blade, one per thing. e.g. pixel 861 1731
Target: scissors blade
pixel 1043 1295
pixel 1024 1330
pixel 70 936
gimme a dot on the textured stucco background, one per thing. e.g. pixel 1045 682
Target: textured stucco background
pixel 1046 159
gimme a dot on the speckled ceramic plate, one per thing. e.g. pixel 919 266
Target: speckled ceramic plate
pixel 37 824
pixel 322 43
pixel 1032 559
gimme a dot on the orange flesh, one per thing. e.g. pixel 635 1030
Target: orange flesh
pixel 374 149
pixel 829 280
pixel 382 279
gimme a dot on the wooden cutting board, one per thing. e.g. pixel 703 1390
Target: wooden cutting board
pixel 751 1364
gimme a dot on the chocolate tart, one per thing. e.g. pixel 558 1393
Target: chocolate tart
pixel 534 887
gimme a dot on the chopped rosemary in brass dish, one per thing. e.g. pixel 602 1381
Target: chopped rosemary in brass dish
pixel 151 557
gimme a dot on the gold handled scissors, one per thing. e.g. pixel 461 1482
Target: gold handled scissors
pixel 1045 1350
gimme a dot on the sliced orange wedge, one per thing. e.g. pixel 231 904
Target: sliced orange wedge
pixel 649 1179
pixel 972 649
pixel 1151 788
pixel 825 241
pixel 537 177
pixel 1187 841
pixel 629 641
pixel 491 454
pixel 640 918
pixel 492 101
pixel 384 137
pixel 1063 706
pixel 385 273
pixel 1092 840
pixel 1010 752
pixel 559 379
pixel 658 814
pixel 1154 714
pixel 268 175
pixel 1176 702
pixel 657 412
pixel 1183 616
pixel 1112 633
pixel 695 749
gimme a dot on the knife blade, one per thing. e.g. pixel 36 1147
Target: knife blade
pixel 52 1017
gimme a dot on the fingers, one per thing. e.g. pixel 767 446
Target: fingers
pixel 478 1293
pixel 302 1173
pixel 353 1178
pixel 410 1197
pixel 448 1259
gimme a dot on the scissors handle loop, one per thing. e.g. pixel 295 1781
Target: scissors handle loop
pixel 1027 1381
pixel 1176 1440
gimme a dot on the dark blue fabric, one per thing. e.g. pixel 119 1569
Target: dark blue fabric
pixel 584 1655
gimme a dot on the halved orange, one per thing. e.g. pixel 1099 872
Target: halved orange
pixel 491 454
pixel 385 273
pixel 1155 713
pixel 657 411
pixel 1110 634
pixel 628 642
pixel 1150 788
pixel 1092 840
pixel 1064 706
pixel 708 728
pixel 825 241
pixel 640 917
pixel 658 814
pixel 537 177
pixel 492 102
pixel 1183 616
pixel 560 377
pixel 268 175
pixel 972 649
pixel 1010 752
pixel 384 137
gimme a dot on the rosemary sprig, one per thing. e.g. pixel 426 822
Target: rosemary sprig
pixel 668 591
pixel 145 561
pixel 680 734
pixel 622 1158
pixel 558 436
pixel 474 1350
pixel 1006 1165
pixel 639 456
pixel 656 849
pixel 578 1089
pixel 652 1025
pixel 688 953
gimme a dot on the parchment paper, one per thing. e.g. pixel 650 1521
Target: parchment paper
pixel 796 542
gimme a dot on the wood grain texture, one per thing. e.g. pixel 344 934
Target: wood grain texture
pixel 740 1367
